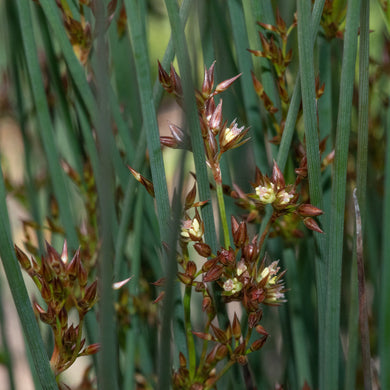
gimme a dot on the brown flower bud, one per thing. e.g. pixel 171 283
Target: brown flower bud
pixel 91 349
pixel 215 121
pixel 73 266
pixel 176 82
pixel 190 198
pixel 54 260
pixel 254 318
pixel 203 336
pixel 184 278
pixel 308 210
pixel 191 269
pixel 220 335
pixel 143 180
pixel 203 249
pixel 208 80
pixel 213 274
pixel 277 176
pixel 260 329
pixel 226 84
pixel 210 358
pixel 210 264
pixel 82 275
pixel 206 303
pixel 22 258
pixel 227 257
pixel 221 352
pixel 240 235
pixel 256 345
pixel 236 327
pixel 311 224
pixel 91 294
pixel 164 78
pixel 45 291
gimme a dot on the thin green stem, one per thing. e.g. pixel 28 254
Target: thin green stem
pixel 265 232
pixel 188 328
pixel 204 349
pixel 221 205
pixel 329 369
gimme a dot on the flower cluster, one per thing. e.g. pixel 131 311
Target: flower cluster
pixel 63 285
pixel 274 42
pixel 242 277
pixel 241 274
pixel 218 136
pixel 283 197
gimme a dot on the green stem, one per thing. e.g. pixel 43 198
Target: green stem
pixel 188 328
pixel 221 205
pixel 265 232
pixel 204 350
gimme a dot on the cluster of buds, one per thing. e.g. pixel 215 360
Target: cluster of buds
pixel 243 277
pixel 240 275
pixel 63 285
pixel 332 18
pixel 80 31
pixel 274 45
pixel 230 345
pixel 283 198
pixel 276 52
pixel 218 136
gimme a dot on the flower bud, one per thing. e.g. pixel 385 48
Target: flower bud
pixel 91 349
pixel 213 274
pixel 184 278
pixel 311 224
pixel 256 345
pixel 254 318
pixel 240 235
pixel 191 269
pixel 226 84
pixel 236 327
pixel 308 210
pixel 22 258
pixel 219 334
pixel 221 352
pixel 203 249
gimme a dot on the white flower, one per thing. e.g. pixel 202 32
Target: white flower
pixel 266 194
pixel 284 197
pixel 232 286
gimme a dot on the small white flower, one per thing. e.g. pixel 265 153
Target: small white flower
pixel 232 285
pixel 284 197
pixel 241 268
pixel 266 194
pixel 191 228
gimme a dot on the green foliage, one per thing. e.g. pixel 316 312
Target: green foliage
pixel 276 113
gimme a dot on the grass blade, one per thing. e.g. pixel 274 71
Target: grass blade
pixel 46 128
pixel 330 367
pixel 244 60
pixel 384 320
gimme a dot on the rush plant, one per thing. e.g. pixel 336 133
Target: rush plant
pixel 252 250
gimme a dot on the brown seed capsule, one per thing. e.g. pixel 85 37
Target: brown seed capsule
pixel 308 210
pixel 22 258
pixel 256 345
pixel 203 249
pixel 311 224
pixel 236 327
